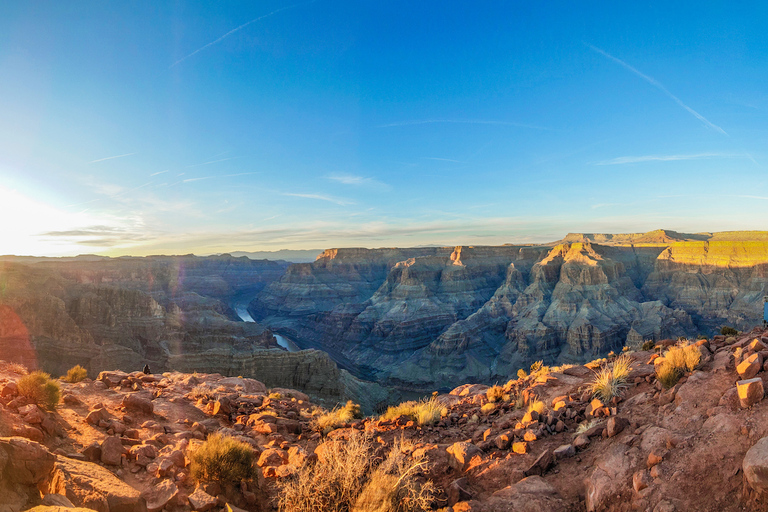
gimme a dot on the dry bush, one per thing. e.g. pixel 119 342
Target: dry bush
pixel 424 412
pixel 202 391
pixel 332 484
pixel 393 486
pixel 75 374
pixel 677 360
pixel 347 479
pixel 275 395
pixel 648 345
pixel 38 388
pixel 223 459
pixel 536 405
pixel 611 381
pixel 17 368
pixel 728 331
pixel 338 417
pixel 495 394
pixel 586 425
pixel 521 374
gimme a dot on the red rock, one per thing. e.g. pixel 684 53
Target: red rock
pixel 272 457
pixel 201 501
pixel 112 451
pixel 31 433
pixel 541 464
pixel 750 391
pixel 134 402
pixel 462 452
pixel 159 495
pixel 520 447
pixel 564 451
pixel 615 425
pixel 750 366
pixel 641 479
pixel 25 462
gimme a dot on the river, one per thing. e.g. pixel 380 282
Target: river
pixel 284 342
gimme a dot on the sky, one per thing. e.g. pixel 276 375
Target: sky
pixel 207 127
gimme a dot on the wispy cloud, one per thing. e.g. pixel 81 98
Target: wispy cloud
pixel 319 197
pixel 158 173
pixel 359 181
pixel 212 162
pixel 237 29
pixel 659 86
pixel 189 180
pixel 667 158
pixel 110 158
pixel 461 121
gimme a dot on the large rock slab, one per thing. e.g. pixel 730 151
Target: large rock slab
pixel 91 486
pixel 531 494
pixel 25 462
pixel 755 465
pixel 611 475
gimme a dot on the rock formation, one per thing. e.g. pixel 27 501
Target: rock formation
pixel 431 318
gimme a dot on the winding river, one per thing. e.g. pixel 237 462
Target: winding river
pixel 284 342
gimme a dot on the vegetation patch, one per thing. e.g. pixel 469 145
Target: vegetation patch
pixel 610 381
pixel 75 374
pixel 424 412
pixel 38 388
pixel 678 360
pixel 223 459
pixel 338 417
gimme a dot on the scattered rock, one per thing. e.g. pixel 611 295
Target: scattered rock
pixel 750 391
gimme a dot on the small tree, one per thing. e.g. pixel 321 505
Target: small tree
pixel 39 389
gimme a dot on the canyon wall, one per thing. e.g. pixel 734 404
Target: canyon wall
pixel 432 318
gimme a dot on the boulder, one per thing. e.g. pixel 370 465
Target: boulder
pixel 755 465
pixel 541 464
pixel 564 451
pixel 462 452
pixel 112 378
pixel 750 366
pixel 25 462
pixel 609 477
pixel 91 486
pixel 531 494
pixel 112 451
pixel 750 391
pixel 159 495
pixel 272 457
pixel 134 402
pixel 201 501
pixel 616 425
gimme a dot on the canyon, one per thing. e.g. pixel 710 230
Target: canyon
pixel 436 317
pixel 379 325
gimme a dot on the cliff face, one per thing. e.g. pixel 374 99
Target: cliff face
pixel 437 317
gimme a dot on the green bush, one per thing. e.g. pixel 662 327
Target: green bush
pixel 648 345
pixel 223 459
pixel 39 389
pixel 75 374
pixel 728 331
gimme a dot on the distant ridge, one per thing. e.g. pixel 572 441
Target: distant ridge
pixel 293 256
pixel 664 237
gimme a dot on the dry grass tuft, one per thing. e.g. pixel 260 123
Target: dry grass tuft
pixel 536 405
pixel 677 360
pixel 224 460
pixel 38 388
pixel 495 394
pixel 338 417
pixel 17 368
pixel 75 374
pixel 584 426
pixel 424 412
pixel 348 479
pixel 609 382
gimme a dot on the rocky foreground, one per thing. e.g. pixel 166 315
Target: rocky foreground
pixel 123 442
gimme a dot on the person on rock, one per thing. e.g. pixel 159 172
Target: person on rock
pixel 146 369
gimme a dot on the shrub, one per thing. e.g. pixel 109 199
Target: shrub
pixel 521 374
pixel 677 360
pixel 333 483
pixel 495 394
pixel 611 381
pixel 75 374
pixel 223 459
pixel 16 368
pixel 338 417
pixel 586 425
pixel 424 412
pixel 38 388
pixel 536 405
pixel 275 395
pixel 728 331
pixel 648 345
pixel 393 486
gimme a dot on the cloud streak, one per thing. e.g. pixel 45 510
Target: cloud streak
pixel 319 197
pixel 659 86
pixel 666 158
pixel 461 121
pixel 110 158
pixel 189 180
pixel 237 29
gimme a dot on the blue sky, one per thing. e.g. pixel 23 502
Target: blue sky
pixel 154 127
